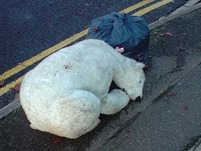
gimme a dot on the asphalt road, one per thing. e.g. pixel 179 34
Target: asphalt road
pixel 28 28
pixel 179 54
pixel 167 119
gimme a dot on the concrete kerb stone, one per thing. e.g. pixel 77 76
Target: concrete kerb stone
pixel 196 146
pixel 9 108
pixel 174 15
pixel 188 4
pixel 191 3
pixel 16 103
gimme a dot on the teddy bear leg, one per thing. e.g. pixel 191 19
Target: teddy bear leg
pixel 80 113
pixel 71 115
pixel 114 102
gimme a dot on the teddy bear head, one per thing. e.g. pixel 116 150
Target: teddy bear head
pixel 133 81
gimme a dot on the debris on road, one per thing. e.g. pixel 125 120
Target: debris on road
pixel 2 83
pixel 166 34
pixel 171 94
pixel 17 87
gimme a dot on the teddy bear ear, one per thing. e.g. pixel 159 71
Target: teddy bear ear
pixel 140 65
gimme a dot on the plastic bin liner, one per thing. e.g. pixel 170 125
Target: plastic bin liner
pixel 124 32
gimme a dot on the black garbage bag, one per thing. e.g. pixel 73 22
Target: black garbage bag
pixel 126 33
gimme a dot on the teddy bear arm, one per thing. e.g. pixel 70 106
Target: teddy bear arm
pixel 115 101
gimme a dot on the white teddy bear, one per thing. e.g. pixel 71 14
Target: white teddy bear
pixel 67 91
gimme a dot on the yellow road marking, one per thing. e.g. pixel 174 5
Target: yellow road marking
pixel 60 45
pixel 152 7
pixel 10 85
pixel 138 5
pixel 42 55
pixel 66 42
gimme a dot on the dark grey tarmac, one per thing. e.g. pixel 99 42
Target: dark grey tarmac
pixel 167 119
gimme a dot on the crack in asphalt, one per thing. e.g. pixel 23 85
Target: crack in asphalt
pixel 123 127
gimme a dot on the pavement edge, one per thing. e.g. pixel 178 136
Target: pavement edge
pixel 177 13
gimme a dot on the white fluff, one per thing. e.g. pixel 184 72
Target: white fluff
pixel 67 91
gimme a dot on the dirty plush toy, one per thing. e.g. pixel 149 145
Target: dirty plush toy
pixel 67 91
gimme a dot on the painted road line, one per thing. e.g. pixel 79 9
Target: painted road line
pixel 46 53
pixel 136 6
pixel 58 46
pixel 152 7
pixel 42 55
pixel 10 85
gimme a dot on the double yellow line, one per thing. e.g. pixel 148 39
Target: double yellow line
pixel 68 41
